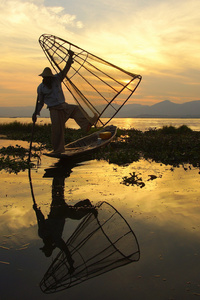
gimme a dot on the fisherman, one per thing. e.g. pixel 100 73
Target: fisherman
pixel 50 229
pixel 50 92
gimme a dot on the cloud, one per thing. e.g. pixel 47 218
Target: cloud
pixel 158 40
pixel 30 19
pixel 21 24
pixel 17 218
pixel 159 37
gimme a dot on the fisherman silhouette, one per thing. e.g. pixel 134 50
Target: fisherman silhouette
pixel 50 229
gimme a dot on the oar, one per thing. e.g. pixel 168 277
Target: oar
pixel 32 134
pixel 29 155
pixel 31 186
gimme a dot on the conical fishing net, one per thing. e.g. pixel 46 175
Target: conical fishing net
pixel 98 86
pixel 102 242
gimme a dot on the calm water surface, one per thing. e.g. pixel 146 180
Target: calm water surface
pixel 140 124
pixel 164 216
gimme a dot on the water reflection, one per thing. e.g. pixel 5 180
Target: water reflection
pixel 164 215
pixel 102 241
pixel 50 229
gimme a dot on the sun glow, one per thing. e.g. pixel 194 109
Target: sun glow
pixel 158 41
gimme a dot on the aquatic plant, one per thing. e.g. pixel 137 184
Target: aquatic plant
pixel 173 130
pixel 118 153
pixel 42 133
pixel 12 165
pixel 168 145
pixel 133 179
pixel 15 159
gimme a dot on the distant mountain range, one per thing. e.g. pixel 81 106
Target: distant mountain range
pixel 164 109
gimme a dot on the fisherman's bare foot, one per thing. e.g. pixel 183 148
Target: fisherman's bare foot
pixel 93 121
pixel 89 127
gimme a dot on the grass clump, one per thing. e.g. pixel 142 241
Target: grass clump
pixel 183 129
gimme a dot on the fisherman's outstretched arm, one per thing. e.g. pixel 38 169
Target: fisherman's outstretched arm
pixel 64 72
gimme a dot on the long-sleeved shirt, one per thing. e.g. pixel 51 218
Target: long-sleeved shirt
pixel 50 230
pixel 54 96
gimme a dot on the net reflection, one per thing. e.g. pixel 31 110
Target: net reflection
pixel 101 243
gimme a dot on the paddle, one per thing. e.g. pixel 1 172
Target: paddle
pixel 34 119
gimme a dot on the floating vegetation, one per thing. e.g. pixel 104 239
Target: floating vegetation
pixel 14 151
pixel 118 154
pixel 136 179
pixel 42 133
pixel 133 179
pixel 168 145
pixel 152 177
pixel 15 159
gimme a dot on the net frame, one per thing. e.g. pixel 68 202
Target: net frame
pixel 101 260
pixel 85 65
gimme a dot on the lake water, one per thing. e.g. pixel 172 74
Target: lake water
pixel 163 215
pixel 159 223
pixel 137 123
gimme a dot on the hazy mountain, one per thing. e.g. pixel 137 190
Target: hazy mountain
pixel 164 109
pixel 25 111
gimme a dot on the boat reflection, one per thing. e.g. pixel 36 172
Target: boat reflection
pixel 102 241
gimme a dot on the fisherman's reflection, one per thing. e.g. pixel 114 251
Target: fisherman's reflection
pixel 50 230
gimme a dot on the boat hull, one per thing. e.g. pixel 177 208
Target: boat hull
pixel 88 143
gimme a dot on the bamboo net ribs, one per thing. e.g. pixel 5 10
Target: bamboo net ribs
pixel 99 87
pixel 102 242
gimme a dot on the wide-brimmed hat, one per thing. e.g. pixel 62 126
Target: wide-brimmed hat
pixel 46 72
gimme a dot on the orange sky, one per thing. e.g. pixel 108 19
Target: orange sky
pixel 156 39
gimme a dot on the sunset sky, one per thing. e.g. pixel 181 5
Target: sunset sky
pixel 158 39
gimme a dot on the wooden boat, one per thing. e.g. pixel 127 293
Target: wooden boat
pixel 88 143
